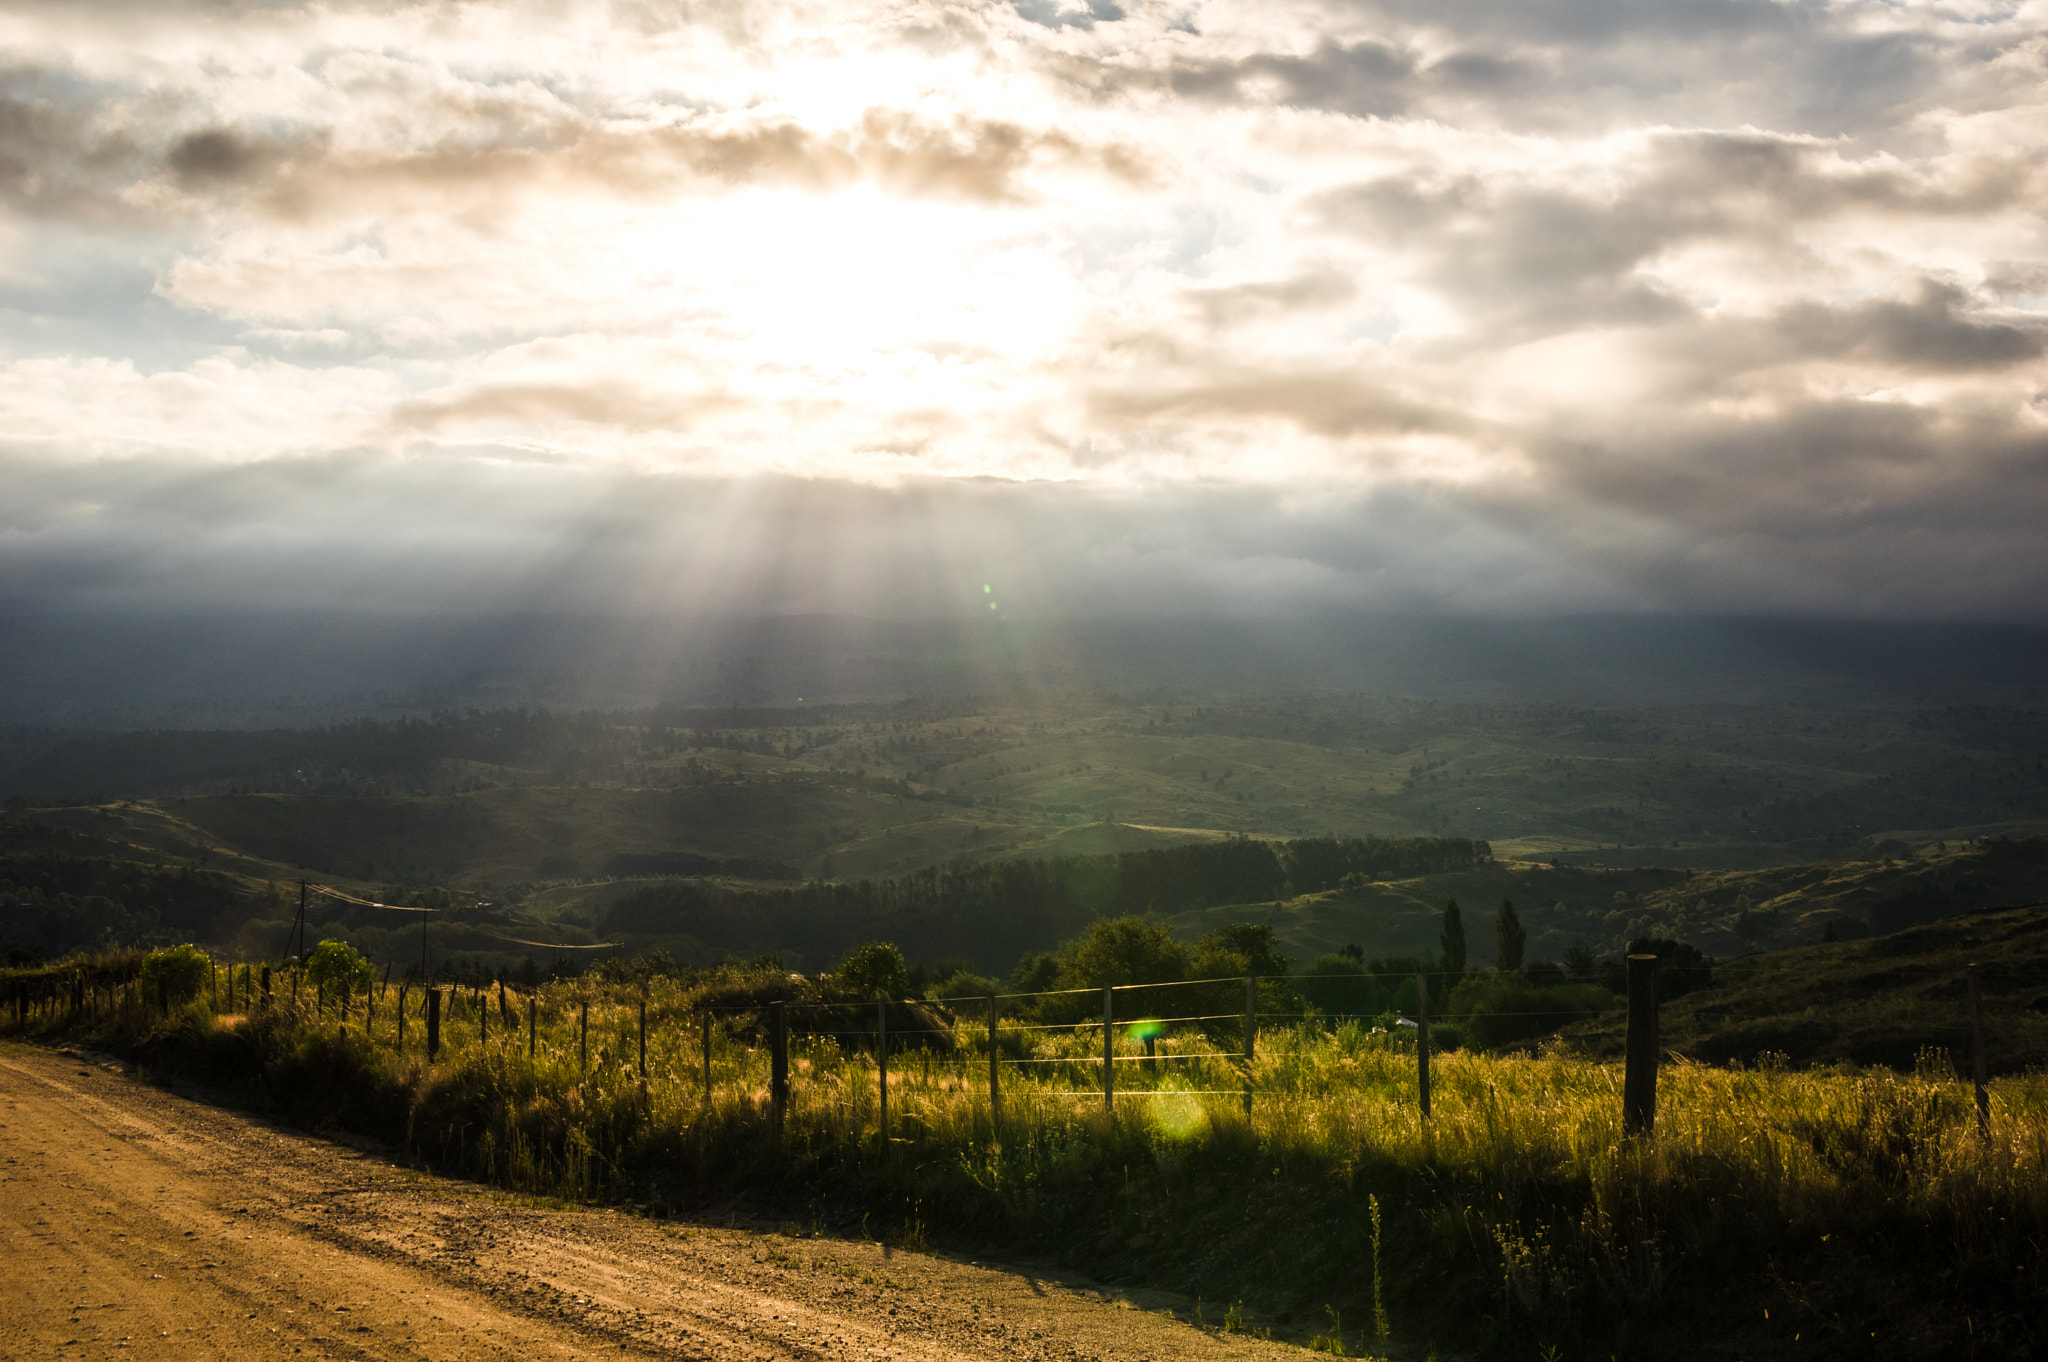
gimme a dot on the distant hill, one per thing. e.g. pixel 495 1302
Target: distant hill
pixel 1886 1001
pixel 255 670
pixel 1725 913
pixel 840 791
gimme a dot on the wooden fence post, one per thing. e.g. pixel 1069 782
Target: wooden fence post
pixel 1979 1066
pixel 213 987
pixel 433 1023
pixel 1251 1037
pixel 402 990
pixel 778 1058
pixel 532 1024
pixel 882 1059
pixel 1108 1050
pixel 1422 1043
pixel 266 983
pixel 483 1021
pixel 643 1037
pixel 1639 1068
pixel 995 1084
pixel 707 1056
pixel 583 1039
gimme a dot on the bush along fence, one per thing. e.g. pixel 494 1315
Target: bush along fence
pixel 1166 1051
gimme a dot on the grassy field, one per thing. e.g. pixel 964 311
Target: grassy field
pixel 1774 1212
pixel 863 790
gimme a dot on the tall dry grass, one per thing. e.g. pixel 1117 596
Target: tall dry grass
pixel 1519 1211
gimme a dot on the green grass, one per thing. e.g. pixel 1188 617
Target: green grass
pixel 1862 1209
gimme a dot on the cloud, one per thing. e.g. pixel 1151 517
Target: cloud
pixel 60 155
pixel 1716 304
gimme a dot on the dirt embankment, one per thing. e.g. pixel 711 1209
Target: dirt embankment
pixel 134 1218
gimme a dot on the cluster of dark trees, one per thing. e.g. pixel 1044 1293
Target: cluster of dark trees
pixel 1511 1003
pixel 407 753
pixel 994 912
pixel 62 890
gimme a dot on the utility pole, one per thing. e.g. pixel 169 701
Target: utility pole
pixel 298 931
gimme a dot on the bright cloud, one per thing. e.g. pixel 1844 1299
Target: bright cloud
pixel 1722 305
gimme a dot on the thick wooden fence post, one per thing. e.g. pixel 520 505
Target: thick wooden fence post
pixel 1639 1067
pixel 433 1022
pixel 583 1039
pixel 995 1083
pixel 266 983
pixel 778 1058
pixel 643 1038
pixel 1109 1050
pixel 1979 1067
pixel 882 1060
pixel 1251 1037
pixel 1422 1044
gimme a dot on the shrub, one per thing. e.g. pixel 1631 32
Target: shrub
pixel 963 983
pixel 335 967
pixel 876 967
pixel 181 971
pixel 1503 1009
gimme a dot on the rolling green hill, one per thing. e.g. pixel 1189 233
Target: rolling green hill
pixel 1725 786
pixel 1725 913
pixel 1896 1000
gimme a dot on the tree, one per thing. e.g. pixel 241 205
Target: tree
pixel 1508 936
pixel 1238 948
pixel 1453 941
pixel 335 967
pixel 1122 950
pixel 876 967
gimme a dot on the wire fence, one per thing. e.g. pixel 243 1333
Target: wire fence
pixel 911 1051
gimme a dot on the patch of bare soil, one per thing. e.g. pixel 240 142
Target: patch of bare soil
pixel 133 1218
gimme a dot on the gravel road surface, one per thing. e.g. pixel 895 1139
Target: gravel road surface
pixel 136 1222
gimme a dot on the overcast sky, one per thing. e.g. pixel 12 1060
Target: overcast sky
pixel 1472 305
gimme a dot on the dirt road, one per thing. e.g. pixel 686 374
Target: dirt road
pixel 132 1218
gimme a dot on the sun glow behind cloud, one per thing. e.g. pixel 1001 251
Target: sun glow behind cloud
pixel 1668 305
